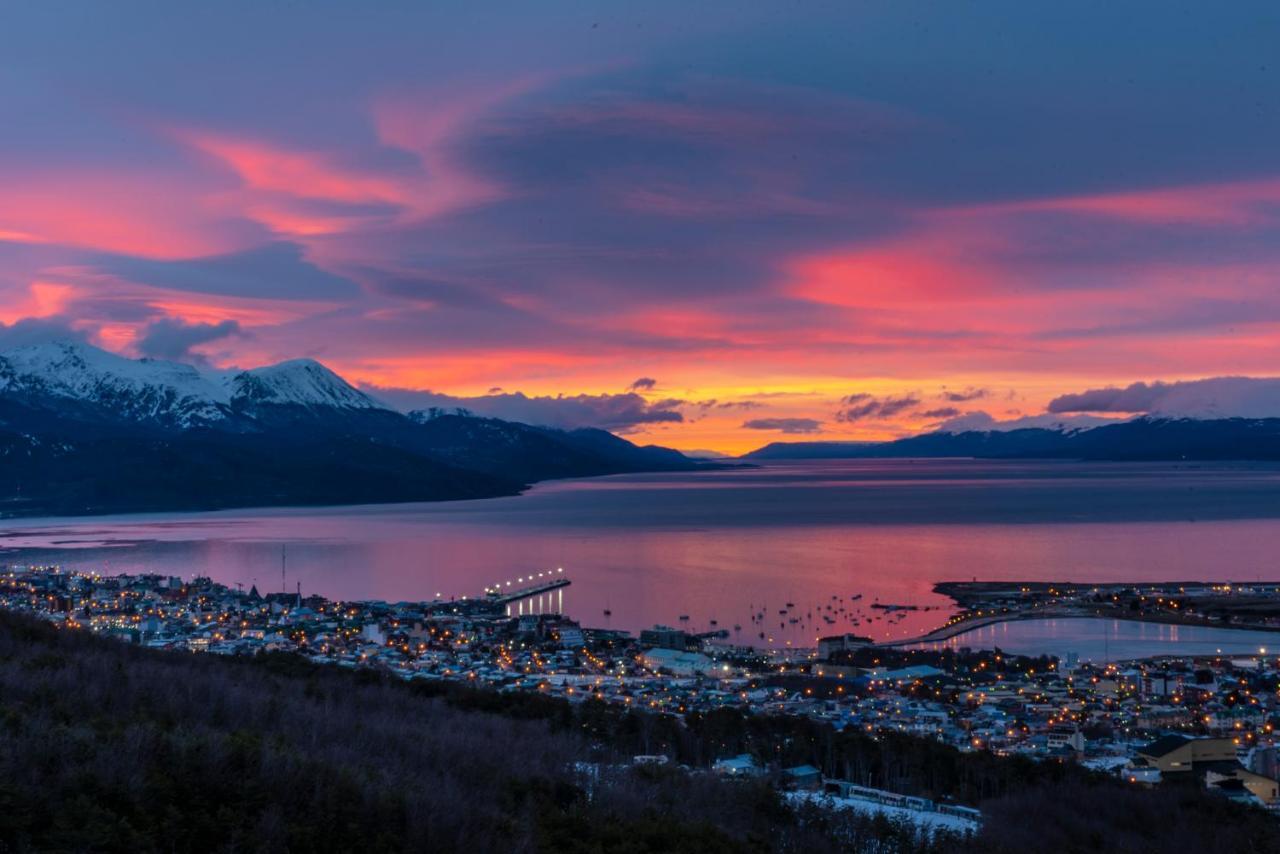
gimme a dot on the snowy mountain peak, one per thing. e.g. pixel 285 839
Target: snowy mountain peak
pixel 170 394
pixel 146 389
pixel 298 382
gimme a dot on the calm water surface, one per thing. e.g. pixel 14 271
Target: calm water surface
pixel 1111 640
pixel 729 545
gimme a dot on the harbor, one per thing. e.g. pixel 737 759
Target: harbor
pixel 1214 606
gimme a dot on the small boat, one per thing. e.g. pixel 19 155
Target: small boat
pixel 608 613
pixel 684 618
pixel 714 623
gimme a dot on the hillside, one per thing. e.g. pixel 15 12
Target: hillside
pixel 106 747
pixel 110 747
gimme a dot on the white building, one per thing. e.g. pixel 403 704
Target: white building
pixel 678 662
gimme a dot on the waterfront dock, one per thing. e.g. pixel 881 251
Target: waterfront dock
pixel 543 582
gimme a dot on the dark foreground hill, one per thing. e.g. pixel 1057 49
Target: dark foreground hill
pixel 108 747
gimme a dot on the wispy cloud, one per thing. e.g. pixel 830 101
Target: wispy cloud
pixel 784 425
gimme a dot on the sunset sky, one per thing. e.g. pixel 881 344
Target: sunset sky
pixel 709 226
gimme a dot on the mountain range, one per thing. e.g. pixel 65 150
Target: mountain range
pixel 1144 438
pixel 83 430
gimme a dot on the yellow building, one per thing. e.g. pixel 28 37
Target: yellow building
pixel 1263 788
pixel 1176 754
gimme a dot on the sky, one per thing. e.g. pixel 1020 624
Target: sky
pixel 708 226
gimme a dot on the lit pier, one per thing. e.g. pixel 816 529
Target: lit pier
pixel 530 587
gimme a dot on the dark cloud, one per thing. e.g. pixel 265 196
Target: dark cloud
pixel 1213 397
pixel 643 384
pixel 784 425
pixel 942 412
pixel 704 454
pixel 172 339
pixel 617 412
pixel 1137 397
pixel 862 406
pixel 276 271
pixel 966 395
pixel 713 403
pixel 41 330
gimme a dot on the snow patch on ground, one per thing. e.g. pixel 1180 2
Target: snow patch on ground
pixel 920 818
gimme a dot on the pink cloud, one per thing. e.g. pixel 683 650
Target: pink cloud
pixel 430 125
pixel 147 213
pixel 112 310
pixel 1239 203
pixel 303 174
pixel 41 300
pixel 286 188
pixel 936 261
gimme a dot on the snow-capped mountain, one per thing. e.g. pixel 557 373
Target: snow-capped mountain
pixel 62 372
pixel 167 394
pixel 981 421
pixel 87 431
pixel 298 382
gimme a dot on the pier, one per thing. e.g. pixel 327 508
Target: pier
pixel 534 586
pixel 959 627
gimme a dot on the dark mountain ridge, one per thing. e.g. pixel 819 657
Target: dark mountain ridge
pixel 85 431
pixel 1147 438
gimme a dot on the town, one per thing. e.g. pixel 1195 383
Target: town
pixel 1208 721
